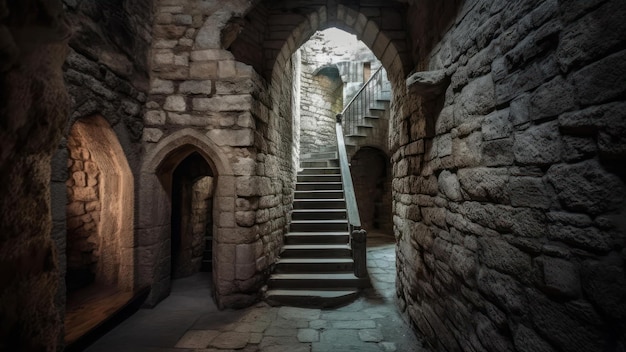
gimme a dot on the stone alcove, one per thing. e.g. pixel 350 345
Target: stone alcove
pixel 99 211
pixel 99 239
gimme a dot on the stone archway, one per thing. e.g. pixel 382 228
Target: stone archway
pixel 155 209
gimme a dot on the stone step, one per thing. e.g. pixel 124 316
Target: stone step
pixel 319 194
pixel 319 178
pixel 318 225
pixel 320 155
pixel 303 238
pixel 316 251
pixel 319 171
pixel 310 298
pixel 316 281
pixel 318 214
pixel 314 265
pixel 319 163
pixel 305 186
pixel 319 204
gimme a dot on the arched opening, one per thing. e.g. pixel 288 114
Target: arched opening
pixel 99 221
pixel 192 218
pixel 184 168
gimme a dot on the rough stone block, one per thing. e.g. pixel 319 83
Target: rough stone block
pixel 195 87
pixel 163 58
pixel 551 99
pixel 560 277
pixel 485 184
pixel 159 86
pixel 203 70
pixel 211 55
pixel 467 151
pixel 596 83
pixel 476 98
pixel 604 284
pixel 223 103
pixel 498 152
pixel 589 238
pixel 563 328
pixel 538 145
pixel 587 187
pixel 226 69
pixel 504 291
pixel 591 36
pixel 500 255
pixel 497 125
pixel 152 135
pixel 529 192
pixel 233 138
pixel 449 185
pixel 175 103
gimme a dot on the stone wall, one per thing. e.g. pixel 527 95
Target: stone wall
pixel 83 215
pixel 509 185
pixel 106 74
pixel 321 100
pixel 34 110
pixel 197 84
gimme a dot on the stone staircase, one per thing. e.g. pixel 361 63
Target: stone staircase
pixel 316 268
pixel 369 125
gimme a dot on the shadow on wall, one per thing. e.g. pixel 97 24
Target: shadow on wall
pixel 372 183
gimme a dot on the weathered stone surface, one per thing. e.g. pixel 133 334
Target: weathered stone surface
pixel 195 87
pixel 529 192
pixel 538 145
pixel 449 185
pixel 152 135
pixel 497 125
pixel 175 103
pixel 485 184
pixel 476 98
pixel 588 38
pixel 159 86
pixel 234 138
pixel 560 277
pixel 498 152
pixel 586 187
pixel 155 117
pixel 551 99
pixel 604 283
pixel 562 327
pixel 587 237
pixel 594 84
pixel 527 340
pixel 500 255
pixel 223 103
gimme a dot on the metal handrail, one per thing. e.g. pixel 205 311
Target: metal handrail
pixel 352 208
pixel 361 90
pixel 358 236
pixel 354 112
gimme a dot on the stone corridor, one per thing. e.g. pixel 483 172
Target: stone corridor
pixel 188 320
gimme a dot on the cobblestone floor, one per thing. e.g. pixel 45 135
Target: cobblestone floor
pixel 188 321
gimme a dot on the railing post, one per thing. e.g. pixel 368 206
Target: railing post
pixel 358 238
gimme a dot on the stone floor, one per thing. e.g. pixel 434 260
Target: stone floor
pixel 189 321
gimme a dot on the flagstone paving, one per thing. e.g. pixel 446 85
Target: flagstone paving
pixel 371 323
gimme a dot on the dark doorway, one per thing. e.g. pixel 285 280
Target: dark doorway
pixel 192 221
